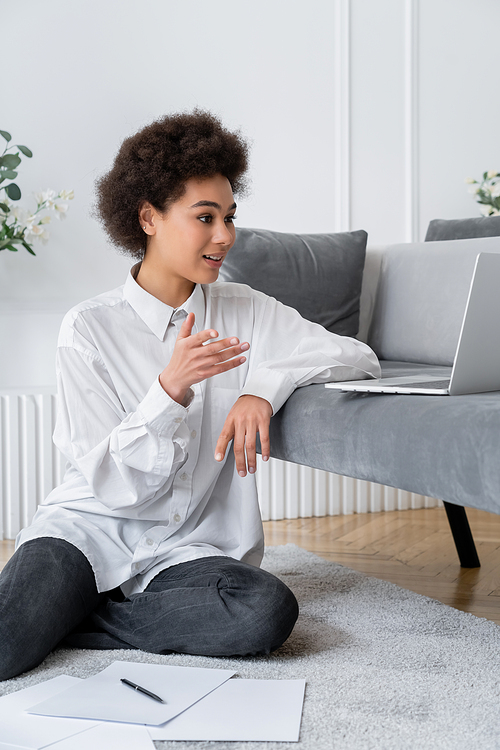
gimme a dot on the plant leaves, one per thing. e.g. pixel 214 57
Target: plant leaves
pixel 11 161
pixel 6 135
pixel 7 243
pixel 13 191
pixel 12 240
pixel 4 208
pixel 9 174
pixel 28 248
pixel 25 150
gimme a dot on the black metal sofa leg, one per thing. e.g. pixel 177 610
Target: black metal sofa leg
pixel 462 535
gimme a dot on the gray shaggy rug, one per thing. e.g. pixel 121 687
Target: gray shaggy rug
pixel 386 669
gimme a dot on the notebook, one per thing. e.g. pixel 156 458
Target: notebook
pixel 476 367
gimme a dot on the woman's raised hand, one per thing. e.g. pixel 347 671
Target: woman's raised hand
pixel 193 360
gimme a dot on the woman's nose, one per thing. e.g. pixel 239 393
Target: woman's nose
pixel 223 234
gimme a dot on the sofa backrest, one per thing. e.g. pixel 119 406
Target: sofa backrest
pixel 414 297
pixel 320 275
pixel 462 229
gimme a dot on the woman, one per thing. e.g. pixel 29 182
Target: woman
pixel 154 539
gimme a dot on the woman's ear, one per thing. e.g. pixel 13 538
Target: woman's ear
pixel 147 217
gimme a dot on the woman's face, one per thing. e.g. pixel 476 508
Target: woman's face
pixel 189 242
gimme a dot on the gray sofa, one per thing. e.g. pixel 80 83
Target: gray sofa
pixel 407 302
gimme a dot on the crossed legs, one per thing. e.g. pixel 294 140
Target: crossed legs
pixel 213 606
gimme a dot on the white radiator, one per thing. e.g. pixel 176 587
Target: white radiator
pixel 289 490
pixel 30 466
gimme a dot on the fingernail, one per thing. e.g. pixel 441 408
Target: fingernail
pixel 243 359
pixel 233 341
pixel 219 456
pixel 242 473
pixel 265 458
pixel 244 347
pixel 251 470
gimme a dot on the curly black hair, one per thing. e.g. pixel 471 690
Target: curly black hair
pixel 154 165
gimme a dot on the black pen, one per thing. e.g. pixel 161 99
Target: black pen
pixel 142 690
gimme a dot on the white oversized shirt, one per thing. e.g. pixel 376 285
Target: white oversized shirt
pixel 142 490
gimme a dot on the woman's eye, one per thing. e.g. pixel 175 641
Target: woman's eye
pixel 230 219
pixel 206 219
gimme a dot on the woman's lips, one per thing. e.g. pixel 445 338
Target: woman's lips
pixel 214 261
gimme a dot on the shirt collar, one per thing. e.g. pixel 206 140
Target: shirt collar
pixel 156 314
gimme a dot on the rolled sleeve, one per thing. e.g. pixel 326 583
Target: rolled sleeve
pixel 159 410
pixel 272 385
pixel 289 352
pixel 126 458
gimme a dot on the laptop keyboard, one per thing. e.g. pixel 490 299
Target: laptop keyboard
pixel 428 384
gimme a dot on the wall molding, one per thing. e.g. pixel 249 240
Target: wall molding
pixel 342 95
pixel 411 120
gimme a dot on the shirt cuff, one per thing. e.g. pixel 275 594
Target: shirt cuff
pixel 272 385
pixel 158 409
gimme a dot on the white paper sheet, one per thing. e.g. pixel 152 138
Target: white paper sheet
pixel 241 710
pixel 21 730
pixel 108 737
pixel 104 697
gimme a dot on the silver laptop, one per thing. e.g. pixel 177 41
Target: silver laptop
pixel 476 368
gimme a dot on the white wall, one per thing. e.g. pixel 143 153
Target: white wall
pixel 362 114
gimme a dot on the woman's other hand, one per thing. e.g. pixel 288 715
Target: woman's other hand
pixel 249 415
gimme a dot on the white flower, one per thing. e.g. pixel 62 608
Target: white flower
pixel 494 212
pixel 470 180
pixel 491 173
pixel 495 190
pixel 46 196
pixel 32 225
pixel 20 215
pixel 486 210
pixel 61 209
pixel 35 229
pixel 473 189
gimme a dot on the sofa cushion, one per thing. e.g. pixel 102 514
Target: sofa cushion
pixel 319 275
pixel 461 229
pixel 421 298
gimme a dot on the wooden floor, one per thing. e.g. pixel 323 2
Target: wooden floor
pixel 412 548
pixel 6 550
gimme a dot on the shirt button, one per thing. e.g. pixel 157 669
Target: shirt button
pixel 177 518
pixel 193 434
pixel 178 420
pixel 184 477
pixel 149 542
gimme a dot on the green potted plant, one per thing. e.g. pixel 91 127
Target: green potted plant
pixel 487 192
pixel 18 226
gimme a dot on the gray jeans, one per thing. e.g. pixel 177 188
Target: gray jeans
pixel 213 606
